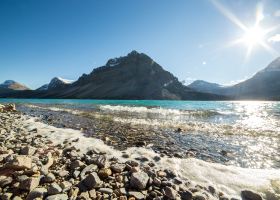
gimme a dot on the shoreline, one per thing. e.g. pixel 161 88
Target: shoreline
pixel 136 160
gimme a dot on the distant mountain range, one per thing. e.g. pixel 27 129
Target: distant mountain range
pixel 137 76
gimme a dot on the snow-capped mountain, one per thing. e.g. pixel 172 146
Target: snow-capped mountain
pixel 56 83
pixel 13 85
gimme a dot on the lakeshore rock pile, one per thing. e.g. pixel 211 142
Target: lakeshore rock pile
pixel 32 167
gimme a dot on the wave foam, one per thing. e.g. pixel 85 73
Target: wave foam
pixel 229 179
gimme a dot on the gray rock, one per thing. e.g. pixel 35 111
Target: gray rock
pixel 92 181
pixel 29 183
pixel 17 198
pixel 28 150
pixel 63 173
pixel 186 195
pixel 20 162
pixel 249 195
pixel 65 186
pixel 76 174
pixel 106 190
pixel 137 195
pixel 199 197
pixel 100 161
pixel 49 178
pixel 5 180
pixel 77 164
pixel 54 188
pixel 84 196
pixel 37 193
pixel 57 197
pixel 170 192
pixel 139 180
pixel 6 196
pixel 117 168
pixel 92 194
pixel 88 169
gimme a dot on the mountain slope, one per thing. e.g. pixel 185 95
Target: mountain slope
pixel 13 85
pixel 264 85
pixel 55 84
pixel 204 86
pixel 135 76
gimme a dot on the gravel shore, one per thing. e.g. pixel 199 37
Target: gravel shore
pixel 33 166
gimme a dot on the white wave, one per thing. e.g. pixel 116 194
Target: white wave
pixel 140 109
pixel 229 179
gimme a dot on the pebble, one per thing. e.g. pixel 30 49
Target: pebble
pixel 54 188
pixel 92 181
pixel 139 180
pixel 249 195
pixel 57 197
pixel 37 193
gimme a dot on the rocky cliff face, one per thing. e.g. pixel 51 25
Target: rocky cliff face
pixel 55 84
pixel 135 76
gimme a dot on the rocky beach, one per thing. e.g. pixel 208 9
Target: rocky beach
pixel 39 161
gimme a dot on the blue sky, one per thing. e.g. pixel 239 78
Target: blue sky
pixel 192 39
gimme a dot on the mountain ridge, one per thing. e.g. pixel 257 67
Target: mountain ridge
pixel 134 76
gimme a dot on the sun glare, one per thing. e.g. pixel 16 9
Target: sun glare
pixel 253 36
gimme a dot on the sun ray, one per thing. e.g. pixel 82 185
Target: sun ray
pixel 227 13
pixel 253 36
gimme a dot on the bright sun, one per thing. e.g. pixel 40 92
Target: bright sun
pixel 253 36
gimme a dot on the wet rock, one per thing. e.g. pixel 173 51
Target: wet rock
pixel 20 162
pixel 117 168
pixel 170 192
pixel 186 195
pixel 84 196
pixel 199 197
pixel 88 169
pixel 49 178
pixel 249 195
pixel 76 174
pixel 28 150
pixel 54 188
pixel 5 180
pixel 29 183
pixel 73 193
pixel 106 190
pixel 100 161
pixel 65 186
pixel 6 196
pixel 161 174
pixel 104 173
pixel 76 164
pixel 137 195
pixel 123 198
pixel 63 173
pixel 140 143
pixel 92 181
pixel 57 197
pixel 92 194
pixel 139 180
pixel 17 198
pixel 37 193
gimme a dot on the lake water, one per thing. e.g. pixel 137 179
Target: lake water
pixel 248 131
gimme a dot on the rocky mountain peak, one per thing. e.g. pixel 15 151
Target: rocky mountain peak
pixel 13 85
